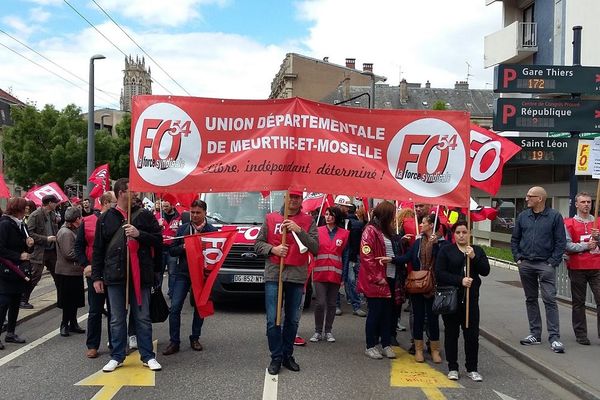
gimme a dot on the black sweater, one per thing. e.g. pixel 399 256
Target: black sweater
pixel 450 268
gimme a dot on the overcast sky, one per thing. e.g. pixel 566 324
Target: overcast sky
pixel 234 48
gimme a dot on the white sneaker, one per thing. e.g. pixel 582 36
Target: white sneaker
pixel 329 337
pixel 316 337
pixel 133 342
pixel 388 352
pixel 338 311
pixel 111 366
pixel 373 353
pixel 474 375
pixel 453 375
pixel 152 364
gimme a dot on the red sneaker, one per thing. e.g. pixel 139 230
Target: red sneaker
pixel 299 341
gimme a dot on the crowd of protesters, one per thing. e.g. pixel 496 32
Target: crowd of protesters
pixel 371 254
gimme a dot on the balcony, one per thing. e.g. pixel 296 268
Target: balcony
pixel 512 44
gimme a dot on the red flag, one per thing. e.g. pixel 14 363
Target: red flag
pixel 36 193
pixel 481 213
pixel 489 152
pixel 133 246
pixel 183 199
pixel 101 178
pixel 314 201
pixel 205 254
pixel 4 192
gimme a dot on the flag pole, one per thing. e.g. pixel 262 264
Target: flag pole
pixel 397 223
pixel 596 206
pixel 468 270
pixel 128 255
pixel 416 221
pixel 321 208
pixel 286 213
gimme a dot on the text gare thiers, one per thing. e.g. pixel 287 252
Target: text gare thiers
pixel 303 121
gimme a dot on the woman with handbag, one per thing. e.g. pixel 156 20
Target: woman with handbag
pixel 451 271
pixel 69 274
pixel 15 249
pixel 420 286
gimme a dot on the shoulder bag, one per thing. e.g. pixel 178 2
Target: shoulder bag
pixel 420 282
pixel 445 300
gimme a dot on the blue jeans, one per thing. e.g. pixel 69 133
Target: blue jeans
pixel 171 263
pixel 281 338
pixel 377 325
pixel 181 287
pixel 349 275
pixel 94 323
pixel 118 322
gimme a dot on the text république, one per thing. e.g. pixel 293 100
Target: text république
pixel 331 146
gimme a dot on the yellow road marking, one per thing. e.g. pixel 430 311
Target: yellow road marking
pixel 132 373
pixel 405 372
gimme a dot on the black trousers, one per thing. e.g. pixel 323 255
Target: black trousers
pixel 579 282
pixel 9 303
pixel 452 325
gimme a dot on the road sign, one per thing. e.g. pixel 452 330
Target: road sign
pixel 543 115
pixel 517 78
pixel 544 151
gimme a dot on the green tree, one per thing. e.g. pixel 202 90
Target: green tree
pixel 49 145
pixel 43 146
pixel 439 105
pixel 116 148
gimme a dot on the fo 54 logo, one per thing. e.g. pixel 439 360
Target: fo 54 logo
pixel 166 144
pixel 427 157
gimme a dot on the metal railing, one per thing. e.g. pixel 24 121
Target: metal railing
pixel 527 34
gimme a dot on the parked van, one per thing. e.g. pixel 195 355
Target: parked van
pixel 242 273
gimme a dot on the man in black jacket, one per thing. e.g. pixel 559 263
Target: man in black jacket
pixel 538 243
pixel 109 272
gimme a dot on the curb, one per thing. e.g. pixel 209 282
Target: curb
pixel 564 380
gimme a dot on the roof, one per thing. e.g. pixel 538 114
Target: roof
pixel 10 99
pixel 478 102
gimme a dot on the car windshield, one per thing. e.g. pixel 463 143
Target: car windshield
pixel 241 207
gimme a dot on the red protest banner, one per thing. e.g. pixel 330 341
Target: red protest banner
pixel 180 144
pixel 489 152
pixel 36 193
pixel 4 192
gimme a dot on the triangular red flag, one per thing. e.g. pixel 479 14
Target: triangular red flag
pixel 205 254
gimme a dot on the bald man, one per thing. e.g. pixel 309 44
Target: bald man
pixel 538 242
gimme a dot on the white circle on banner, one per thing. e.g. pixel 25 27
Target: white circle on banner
pixel 433 163
pixel 166 144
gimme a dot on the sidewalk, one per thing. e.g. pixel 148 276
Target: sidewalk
pixel 504 323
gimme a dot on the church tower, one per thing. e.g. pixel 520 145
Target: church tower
pixel 136 81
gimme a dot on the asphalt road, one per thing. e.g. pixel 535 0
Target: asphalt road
pixel 233 363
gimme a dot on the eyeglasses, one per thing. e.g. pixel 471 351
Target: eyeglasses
pixel 528 196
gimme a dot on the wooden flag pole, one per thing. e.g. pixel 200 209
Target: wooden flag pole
pixel 128 255
pixel 286 213
pixel 468 271
pixel 597 203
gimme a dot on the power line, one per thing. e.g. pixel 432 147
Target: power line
pixel 52 62
pixel 140 47
pixel 44 68
pixel 109 41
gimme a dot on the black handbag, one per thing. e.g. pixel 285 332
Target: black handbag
pixel 445 300
pixel 159 310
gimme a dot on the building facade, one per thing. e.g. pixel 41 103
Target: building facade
pixel 136 81
pixel 537 32
pixel 314 79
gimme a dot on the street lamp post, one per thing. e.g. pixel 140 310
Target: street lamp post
pixel 91 149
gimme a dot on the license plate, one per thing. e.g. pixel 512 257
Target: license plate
pixel 248 278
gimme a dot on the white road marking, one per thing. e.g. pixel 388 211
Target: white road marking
pixel 8 358
pixel 270 387
pixel 503 396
